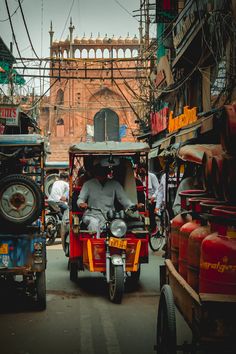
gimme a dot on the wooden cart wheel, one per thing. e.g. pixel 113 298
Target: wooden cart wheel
pixel 166 323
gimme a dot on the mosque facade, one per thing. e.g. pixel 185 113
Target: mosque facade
pixel 87 75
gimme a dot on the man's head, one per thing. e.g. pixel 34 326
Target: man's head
pixel 64 176
pixel 142 170
pixel 100 172
pixel 31 129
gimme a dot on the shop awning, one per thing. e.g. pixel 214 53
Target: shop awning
pixel 8 75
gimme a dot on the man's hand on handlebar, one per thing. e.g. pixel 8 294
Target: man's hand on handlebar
pixel 140 206
pixel 83 205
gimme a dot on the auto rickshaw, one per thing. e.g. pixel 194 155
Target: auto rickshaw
pixel 123 243
pixel 22 236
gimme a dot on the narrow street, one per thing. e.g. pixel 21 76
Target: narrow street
pixel 80 318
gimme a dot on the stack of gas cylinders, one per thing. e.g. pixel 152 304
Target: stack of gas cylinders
pixel 203 237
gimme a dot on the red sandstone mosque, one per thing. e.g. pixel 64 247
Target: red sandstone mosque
pixel 86 76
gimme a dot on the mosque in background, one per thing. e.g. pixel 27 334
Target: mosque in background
pixel 95 84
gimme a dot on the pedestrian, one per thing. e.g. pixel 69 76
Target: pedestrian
pixel 153 185
pixel 60 192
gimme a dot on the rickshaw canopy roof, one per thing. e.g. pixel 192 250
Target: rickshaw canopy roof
pixel 57 164
pixel 109 147
pixel 21 139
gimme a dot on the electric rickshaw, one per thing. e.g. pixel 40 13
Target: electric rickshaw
pixel 22 235
pixel 123 243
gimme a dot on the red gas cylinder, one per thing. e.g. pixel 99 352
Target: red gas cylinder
pixel 218 254
pixel 191 193
pixel 176 224
pixel 195 240
pixel 184 234
pixel 179 220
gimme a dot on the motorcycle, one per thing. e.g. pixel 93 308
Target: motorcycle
pixel 52 222
pixel 115 230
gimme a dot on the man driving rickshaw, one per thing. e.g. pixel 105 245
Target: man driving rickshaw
pixel 123 234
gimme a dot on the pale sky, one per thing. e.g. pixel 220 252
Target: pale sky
pixel 111 17
pixel 104 16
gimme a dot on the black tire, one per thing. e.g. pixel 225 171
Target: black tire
pixel 73 271
pixel 166 323
pixel 116 285
pixel 155 241
pixel 67 244
pixel 158 240
pixel 40 285
pixel 49 180
pixel 21 200
pixel 51 230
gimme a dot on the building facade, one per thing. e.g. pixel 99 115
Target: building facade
pixel 88 75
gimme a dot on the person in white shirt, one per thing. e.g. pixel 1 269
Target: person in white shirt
pixel 153 186
pixel 161 191
pixel 60 191
pixel 100 192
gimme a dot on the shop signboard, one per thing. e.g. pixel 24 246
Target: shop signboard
pixel 9 115
pixel 189 116
pixel 159 120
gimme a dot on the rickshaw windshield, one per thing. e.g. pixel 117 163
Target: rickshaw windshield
pixel 120 158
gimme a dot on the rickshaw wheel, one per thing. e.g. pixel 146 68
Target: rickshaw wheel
pixel 166 323
pixel 40 284
pixel 116 285
pixel 21 200
pixel 156 241
pixel 73 271
pixel 51 229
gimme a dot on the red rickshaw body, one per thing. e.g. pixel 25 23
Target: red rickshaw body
pixel 87 251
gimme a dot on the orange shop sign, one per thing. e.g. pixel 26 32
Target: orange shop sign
pixel 9 114
pixel 159 120
pixel 189 116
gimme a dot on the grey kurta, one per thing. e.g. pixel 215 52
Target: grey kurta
pixel 98 196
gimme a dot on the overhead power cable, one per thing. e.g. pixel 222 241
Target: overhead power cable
pixel 13 33
pixel 67 18
pixel 26 28
pixel 6 19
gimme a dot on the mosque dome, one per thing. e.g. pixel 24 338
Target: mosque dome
pixel 77 40
pixel 128 40
pixel 84 40
pixel 135 40
pixel 121 40
pixel 99 39
pixel 105 39
pixel 114 39
pixel 91 40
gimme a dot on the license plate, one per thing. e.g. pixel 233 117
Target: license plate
pixel 4 248
pixel 117 243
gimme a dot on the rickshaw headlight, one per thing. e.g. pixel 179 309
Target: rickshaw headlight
pixel 118 228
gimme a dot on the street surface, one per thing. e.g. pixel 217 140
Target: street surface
pixel 79 318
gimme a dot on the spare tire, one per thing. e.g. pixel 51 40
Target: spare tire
pixel 21 200
pixel 49 180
